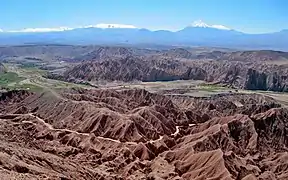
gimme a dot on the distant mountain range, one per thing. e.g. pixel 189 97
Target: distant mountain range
pixel 200 34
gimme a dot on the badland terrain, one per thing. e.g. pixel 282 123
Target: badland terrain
pixel 114 112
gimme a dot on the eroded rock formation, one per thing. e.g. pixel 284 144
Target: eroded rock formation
pixel 134 134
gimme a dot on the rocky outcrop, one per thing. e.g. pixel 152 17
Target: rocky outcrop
pixel 2 68
pixel 246 56
pixel 272 81
pixel 105 53
pixel 133 68
pixel 178 53
pixel 256 80
pixel 237 74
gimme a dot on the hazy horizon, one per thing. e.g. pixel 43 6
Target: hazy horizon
pixel 258 16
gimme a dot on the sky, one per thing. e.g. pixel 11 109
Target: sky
pixel 250 16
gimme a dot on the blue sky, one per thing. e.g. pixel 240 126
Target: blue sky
pixel 252 16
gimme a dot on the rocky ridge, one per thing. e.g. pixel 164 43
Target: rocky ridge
pixel 237 74
pixel 134 134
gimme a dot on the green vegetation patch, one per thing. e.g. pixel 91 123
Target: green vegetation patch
pixel 211 87
pixel 29 87
pixel 9 77
pixel 12 81
pixel 34 71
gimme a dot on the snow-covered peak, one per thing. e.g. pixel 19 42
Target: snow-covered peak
pixel 106 26
pixel 200 23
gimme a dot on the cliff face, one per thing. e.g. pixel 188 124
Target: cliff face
pixel 251 76
pixel 2 68
pixel 256 80
pixel 278 82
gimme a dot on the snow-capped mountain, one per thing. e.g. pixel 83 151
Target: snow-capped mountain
pixel 197 34
pixel 200 23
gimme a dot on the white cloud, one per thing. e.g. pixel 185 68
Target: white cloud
pixel 58 29
pixel 43 29
pixel 200 23
pixel 1 30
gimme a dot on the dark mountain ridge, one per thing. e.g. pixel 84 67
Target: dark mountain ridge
pixel 255 70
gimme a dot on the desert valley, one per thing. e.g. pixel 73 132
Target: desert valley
pixel 119 112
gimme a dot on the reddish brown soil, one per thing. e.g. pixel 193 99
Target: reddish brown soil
pixel 134 134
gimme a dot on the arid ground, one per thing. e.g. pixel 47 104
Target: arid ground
pixel 129 113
